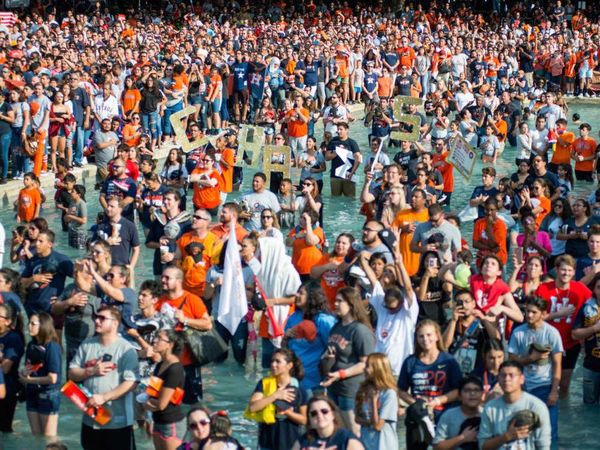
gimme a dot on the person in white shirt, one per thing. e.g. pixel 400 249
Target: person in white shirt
pixel 106 106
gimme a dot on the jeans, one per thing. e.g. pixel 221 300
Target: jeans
pixel 22 162
pixel 4 147
pixel 169 110
pixel 591 387
pixel 81 137
pixel 149 123
pixel 542 393
pixel 425 83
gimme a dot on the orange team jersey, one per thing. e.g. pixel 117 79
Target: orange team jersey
pixel 130 100
pixel 210 242
pixel 228 157
pixel 297 127
pixel 29 201
pixel 407 57
pixel 446 169
pixel 569 69
pixel 499 230
pixel 342 63
pixel 305 256
pixel 411 260
pixel 563 147
pixel 503 130
pixel 193 308
pixel 207 197
pixel 128 131
pixel 493 65
pixel 545 204
pixel 216 84
pixel 194 274
pixel 384 87
pixel 585 148
pixel 332 280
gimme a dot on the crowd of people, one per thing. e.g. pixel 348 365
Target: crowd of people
pixel 471 342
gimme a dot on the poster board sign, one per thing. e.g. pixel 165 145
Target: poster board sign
pixel 180 135
pixel 277 158
pixel 462 156
pixel 406 126
pixel 251 140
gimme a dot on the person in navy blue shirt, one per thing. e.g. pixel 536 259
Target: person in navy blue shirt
pixel 370 83
pixel 12 346
pixel 240 70
pixel 309 69
pixel 45 274
pixel 42 375
pixel 482 193
pixel 121 186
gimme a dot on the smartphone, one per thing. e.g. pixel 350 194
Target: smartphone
pixel 519 254
pixel 106 357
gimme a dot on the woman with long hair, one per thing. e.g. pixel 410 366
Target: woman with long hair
pixel 280 397
pixel 307 331
pixel 130 99
pixel 310 199
pixel 325 428
pixel 344 365
pixel 327 269
pixel 19 128
pixel 168 416
pixel 198 425
pixel 42 375
pixel 306 241
pixel 61 118
pixel 552 224
pixel 270 224
pixel 415 383
pixel 151 99
pixel 576 229
pixel 174 174
pixel 533 274
pixel 377 405
pixel 538 199
pixel 13 346
pixel 394 203
pixel 493 357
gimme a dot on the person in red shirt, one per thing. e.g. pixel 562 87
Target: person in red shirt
pixel 493 295
pixel 190 312
pixel 565 298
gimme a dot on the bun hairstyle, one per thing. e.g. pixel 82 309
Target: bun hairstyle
pixel 297 370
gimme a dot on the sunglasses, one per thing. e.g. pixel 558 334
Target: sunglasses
pixel 102 319
pixel 200 218
pixel 266 217
pixel 315 412
pixel 196 425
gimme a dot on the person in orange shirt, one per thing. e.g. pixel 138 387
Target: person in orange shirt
pixel 407 54
pixel 297 125
pixel 538 200
pixel 132 132
pixel 489 234
pixel 407 220
pixel 563 147
pixel 229 211
pixel 29 201
pixel 195 267
pixel 225 157
pixel 440 162
pixel 384 85
pixel 190 312
pixel 569 71
pixel 130 99
pixel 341 60
pixel 328 268
pixel 306 242
pixel 206 180
pixel 584 154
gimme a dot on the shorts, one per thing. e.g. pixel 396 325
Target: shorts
pixel 42 402
pixel 103 438
pixel 358 89
pixel 586 73
pixel 570 359
pixel 343 402
pixel 241 96
pixel 582 175
pixel 169 431
pixel 216 105
pixel 341 186
pixel 343 80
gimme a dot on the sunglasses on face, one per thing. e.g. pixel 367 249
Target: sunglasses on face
pixel 101 319
pixel 196 425
pixel 315 412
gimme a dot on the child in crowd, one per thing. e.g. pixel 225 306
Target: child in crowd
pixel 29 202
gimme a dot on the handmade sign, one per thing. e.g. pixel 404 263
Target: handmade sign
pixel 277 158
pixel 407 128
pixel 251 140
pixel 180 135
pixel 462 156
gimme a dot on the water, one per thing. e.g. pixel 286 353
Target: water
pixel 227 386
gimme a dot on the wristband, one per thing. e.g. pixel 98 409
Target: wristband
pixel 342 374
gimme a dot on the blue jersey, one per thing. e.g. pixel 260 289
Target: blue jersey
pixel 311 74
pixel 240 72
pixel 371 81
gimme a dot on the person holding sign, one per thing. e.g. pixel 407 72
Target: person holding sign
pixel 345 157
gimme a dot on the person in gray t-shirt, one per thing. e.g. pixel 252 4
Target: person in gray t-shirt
pixel 105 146
pixel 437 234
pixel 257 201
pixel 107 366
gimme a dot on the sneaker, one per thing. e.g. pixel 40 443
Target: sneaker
pixel 19 176
pixel 84 161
